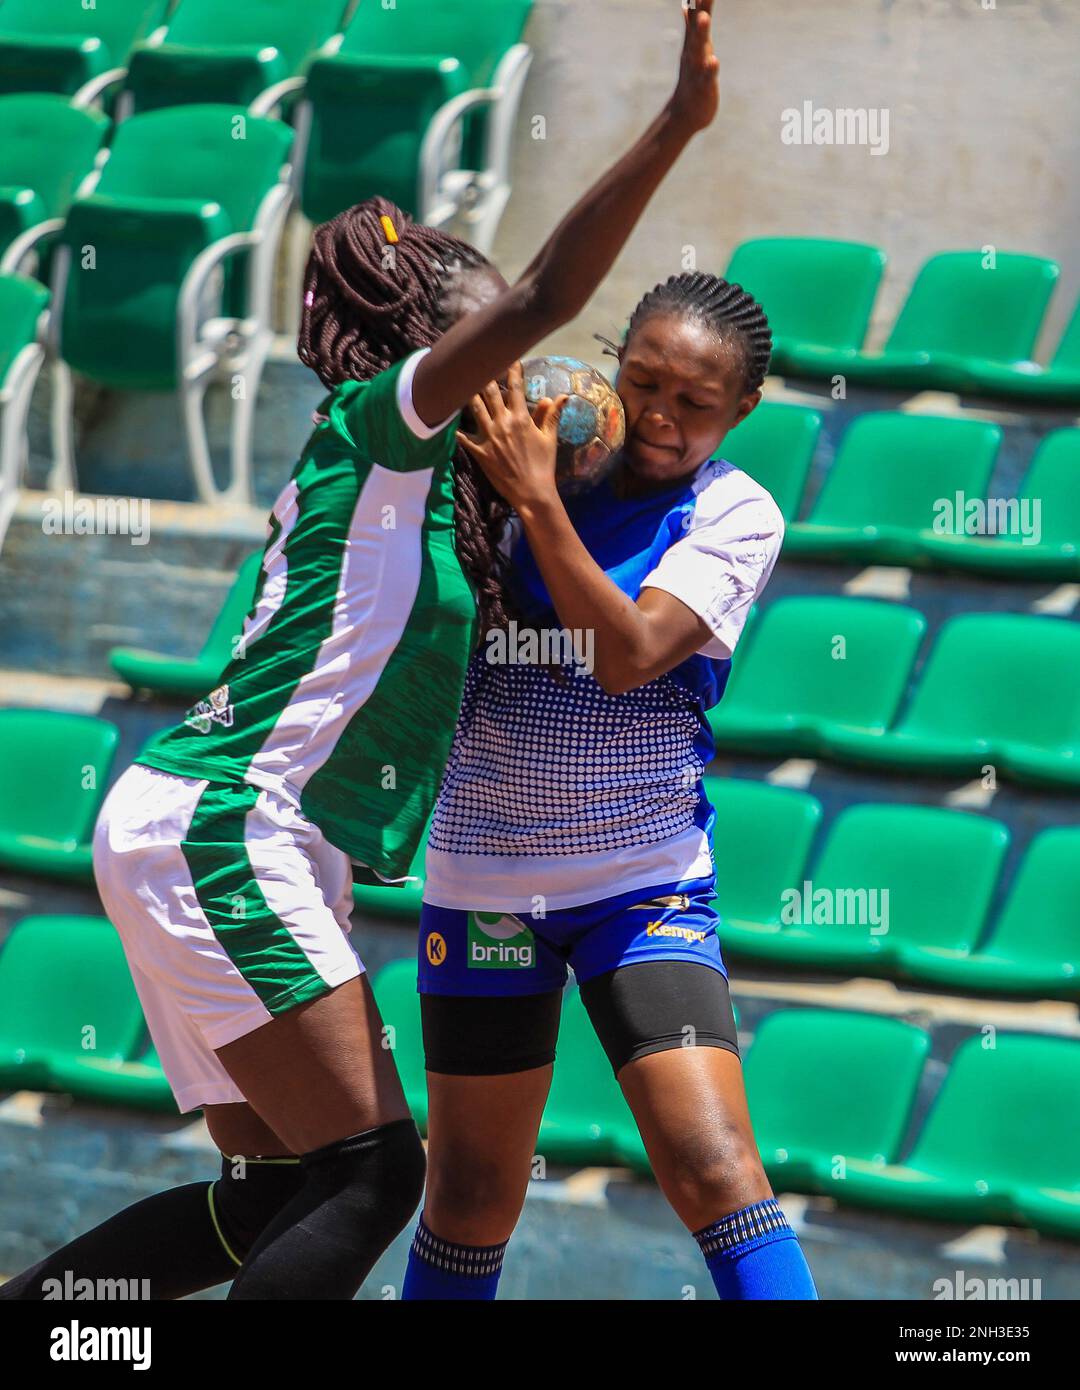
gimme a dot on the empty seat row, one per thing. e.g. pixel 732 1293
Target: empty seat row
pixel 969 323
pixel 827 678
pixel 913 490
pixel 831 1097
pixel 904 892
pixel 384 101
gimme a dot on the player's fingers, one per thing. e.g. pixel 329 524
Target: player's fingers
pixel 481 414
pixel 547 414
pixel 493 399
pixel 472 447
pixel 515 389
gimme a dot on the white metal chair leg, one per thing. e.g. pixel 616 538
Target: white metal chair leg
pixel 298 247
pixel 62 421
pixel 239 492
pixel 192 410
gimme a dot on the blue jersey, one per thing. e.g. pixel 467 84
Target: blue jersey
pixel 557 793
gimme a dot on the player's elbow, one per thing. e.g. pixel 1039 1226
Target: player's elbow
pixel 620 675
pixel 548 300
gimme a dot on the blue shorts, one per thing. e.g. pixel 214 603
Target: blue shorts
pixel 504 954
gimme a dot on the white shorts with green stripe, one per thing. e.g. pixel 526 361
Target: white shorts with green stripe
pixel 232 908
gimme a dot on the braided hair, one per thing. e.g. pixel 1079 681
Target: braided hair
pixel 377 287
pixel 725 308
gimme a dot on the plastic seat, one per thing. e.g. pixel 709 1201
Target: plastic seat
pixel 586 1119
pixel 399 1005
pixel 53 771
pixel 937 867
pixel 47 148
pixel 22 351
pixel 184 192
pixel 960 315
pixel 999 690
pixel 187 680
pixel 815 667
pixel 228 53
pixel 1049 485
pixel 387 109
pixel 65 994
pixel 761 842
pixel 1057 384
pixel 62 47
pixel 817 293
pixel 140 1084
pixel 1034 946
pixel 879 501
pixel 775 445
pixel 825 1087
pixel 999 1144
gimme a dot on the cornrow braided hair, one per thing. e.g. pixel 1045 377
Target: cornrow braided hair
pixel 371 300
pixel 724 307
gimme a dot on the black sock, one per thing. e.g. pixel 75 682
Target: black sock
pixel 358 1194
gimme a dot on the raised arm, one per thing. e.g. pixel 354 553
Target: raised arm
pixel 581 250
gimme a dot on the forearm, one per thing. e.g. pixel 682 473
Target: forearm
pixel 583 247
pixel 585 599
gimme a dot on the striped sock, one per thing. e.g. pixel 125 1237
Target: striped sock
pixel 754 1253
pixel 438 1269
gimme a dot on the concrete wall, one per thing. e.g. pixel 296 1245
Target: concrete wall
pixel 984 127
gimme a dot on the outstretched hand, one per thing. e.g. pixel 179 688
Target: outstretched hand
pixel 515 448
pixel 697 92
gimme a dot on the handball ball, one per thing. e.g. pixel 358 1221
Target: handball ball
pixel 591 426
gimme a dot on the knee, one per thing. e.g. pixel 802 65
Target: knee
pixel 718 1173
pixel 473 1199
pixel 247 1197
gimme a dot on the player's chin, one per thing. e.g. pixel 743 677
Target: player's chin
pixel 652 461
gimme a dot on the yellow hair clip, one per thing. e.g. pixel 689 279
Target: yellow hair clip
pixel 388 229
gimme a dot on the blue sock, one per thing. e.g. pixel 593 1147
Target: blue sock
pixel 438 1269
pixel 754 1253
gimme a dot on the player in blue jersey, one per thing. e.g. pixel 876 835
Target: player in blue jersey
pixel 572 828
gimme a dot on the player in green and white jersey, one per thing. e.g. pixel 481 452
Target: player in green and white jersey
pixel 224 856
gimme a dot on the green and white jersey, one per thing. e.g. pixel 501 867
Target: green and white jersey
pixel 345 689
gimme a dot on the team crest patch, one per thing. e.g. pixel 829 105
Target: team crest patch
pixel 215 709
pixel 500 941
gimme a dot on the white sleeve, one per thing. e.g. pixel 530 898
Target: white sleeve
pixel 724 561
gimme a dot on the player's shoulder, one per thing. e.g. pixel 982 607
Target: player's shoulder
pixel 724 492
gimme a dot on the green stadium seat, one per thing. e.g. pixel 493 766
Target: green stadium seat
pixel 879 501
pixel 229 53
pixel 775 445
pixel 64 45
pixel 65 993
pixel 403 900
pixel 959 315
pixel 22 304
pixel 1034 946
pixel 1051 485
pixel 586 1119
pixel 47 148
pixel 387 109
pixel 1057 384
pixel 1000 1137
pixel 140 1084
pixel 761 843
pixel 825 1087
pixel 399 1005
pixel 970 710
pixel 939 868
pixel 798 685
pixel 53 771
pixel 190 187
pixel 188 680
pixel 817 293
